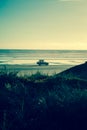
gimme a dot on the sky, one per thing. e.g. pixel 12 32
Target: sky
pixel 43 24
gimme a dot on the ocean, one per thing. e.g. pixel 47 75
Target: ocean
pixel 53 57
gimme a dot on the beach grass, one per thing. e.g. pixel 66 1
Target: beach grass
pixel 42 102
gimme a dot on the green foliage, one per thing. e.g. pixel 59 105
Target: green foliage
pixel 38 76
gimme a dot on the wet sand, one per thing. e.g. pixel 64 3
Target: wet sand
pixel 31 69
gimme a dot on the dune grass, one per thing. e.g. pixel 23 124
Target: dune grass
pixel 42 102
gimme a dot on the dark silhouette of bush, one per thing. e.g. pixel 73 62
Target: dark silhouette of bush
pixel 41 102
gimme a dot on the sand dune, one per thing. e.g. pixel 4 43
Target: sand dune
pixel 79 71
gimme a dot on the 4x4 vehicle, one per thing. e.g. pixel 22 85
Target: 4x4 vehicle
pixel 42 62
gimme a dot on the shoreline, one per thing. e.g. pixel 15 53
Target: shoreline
pixel 31 69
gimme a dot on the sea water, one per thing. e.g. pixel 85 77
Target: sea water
pixel 53 57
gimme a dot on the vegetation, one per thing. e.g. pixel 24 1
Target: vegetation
pixel 41 102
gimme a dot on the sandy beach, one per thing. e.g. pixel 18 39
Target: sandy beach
pixel 31 69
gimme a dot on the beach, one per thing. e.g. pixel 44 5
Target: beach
pixel 31 69
pixel 25 61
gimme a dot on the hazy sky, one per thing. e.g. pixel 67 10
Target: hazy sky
pixel 43 24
